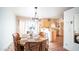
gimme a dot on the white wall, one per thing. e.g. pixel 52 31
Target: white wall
pixel 68 29
pixel 7 27
pixel 42 12
pixel 76 23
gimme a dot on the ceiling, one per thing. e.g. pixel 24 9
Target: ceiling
pixel 42 12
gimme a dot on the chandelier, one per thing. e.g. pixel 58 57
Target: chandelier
pixel 35 14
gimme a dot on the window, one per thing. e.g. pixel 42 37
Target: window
pixel 28 25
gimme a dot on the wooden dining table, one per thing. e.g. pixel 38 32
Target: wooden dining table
pixel 31 40
pixel 24 40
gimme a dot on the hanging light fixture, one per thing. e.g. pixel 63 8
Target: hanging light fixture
pixel 35 15
pixel 35 12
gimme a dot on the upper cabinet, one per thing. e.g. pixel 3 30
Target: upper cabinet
pixel 45 23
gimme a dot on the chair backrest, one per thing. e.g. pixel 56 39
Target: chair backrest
pixel 42 34
pixel 26 46
pixel 45 45
pixel 16 38
pixel 35 46
pixel 32 46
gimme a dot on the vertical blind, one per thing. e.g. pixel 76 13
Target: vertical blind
pixel 28 25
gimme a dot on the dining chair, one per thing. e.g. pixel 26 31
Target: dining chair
pixel 32 46
pixel 44 45
pixel 35 46
pixel 42 34
pixel 27 46
pixel 16 40
pixel 47 44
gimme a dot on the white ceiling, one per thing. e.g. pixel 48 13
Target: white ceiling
pixel 42 12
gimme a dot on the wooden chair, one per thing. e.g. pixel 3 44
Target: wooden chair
pixel 35 46
pixel 42 34
pixel 16 40
pixel 44 45
pixel 32 46
pixel 27 46
pixel 47 44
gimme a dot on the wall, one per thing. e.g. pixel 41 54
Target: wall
pixel 68 29
pixel 42 12
pixel 7 27
pixel 76 22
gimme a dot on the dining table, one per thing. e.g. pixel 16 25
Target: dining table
pixel 32 40
pixel 24 40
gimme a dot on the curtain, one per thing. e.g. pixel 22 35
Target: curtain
pixel 28 25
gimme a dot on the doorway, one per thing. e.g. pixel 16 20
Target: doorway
pixel 57 35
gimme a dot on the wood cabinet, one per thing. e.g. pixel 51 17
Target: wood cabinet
pixel 54 36
pixel 45 23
